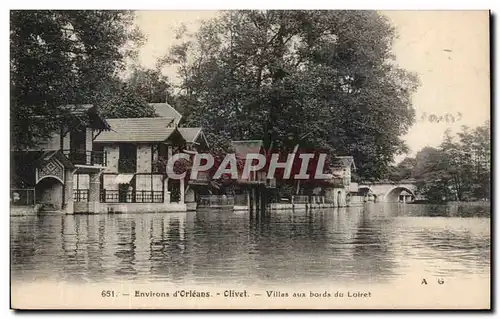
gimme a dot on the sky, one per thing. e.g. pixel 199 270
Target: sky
pixel 449 51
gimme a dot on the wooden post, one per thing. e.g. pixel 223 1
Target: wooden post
pixel 257 200
pixel 182 191
pixel 248 200
pixel 251 200
pixel 263 200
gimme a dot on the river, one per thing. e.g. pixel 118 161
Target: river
pixel 377 243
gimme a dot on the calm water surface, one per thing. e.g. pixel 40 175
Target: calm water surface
pixel 374 243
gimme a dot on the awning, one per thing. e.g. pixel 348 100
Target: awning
pixel 123 178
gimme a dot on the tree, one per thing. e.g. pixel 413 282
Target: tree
pixel 126 103
pixel 150 84
pixel 276 75
pixel 60 58
pixel 459 169
pixel 404 170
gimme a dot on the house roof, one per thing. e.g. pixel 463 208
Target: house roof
pixel 242 148
pixel 144 129
pixel 97 120
pixel 47 157
pixel 166 110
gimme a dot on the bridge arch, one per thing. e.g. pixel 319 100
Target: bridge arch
pixel 393 194
pixel 368 193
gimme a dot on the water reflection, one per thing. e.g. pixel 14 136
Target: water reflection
pixel 374 243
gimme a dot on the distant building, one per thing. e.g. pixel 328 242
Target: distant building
pixel 340 186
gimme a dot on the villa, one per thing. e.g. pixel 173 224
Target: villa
pixel 114 165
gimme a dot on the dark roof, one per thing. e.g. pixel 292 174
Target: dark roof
pixel 97 120
pixel 242 148
pixel 166 110
pixel 144 129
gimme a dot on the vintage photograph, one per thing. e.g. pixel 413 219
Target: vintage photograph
pixel 250 159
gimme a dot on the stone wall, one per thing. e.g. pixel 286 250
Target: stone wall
pixel 337 196
pixel 143 158
pixel 112 155
pixel 24 210
pixel 141 207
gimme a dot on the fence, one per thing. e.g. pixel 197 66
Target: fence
pixel 142 196
pixel 22 196
pixel 81 195
pixel 300 199
pixel 241 200
pixel 216 201
pixel 306 199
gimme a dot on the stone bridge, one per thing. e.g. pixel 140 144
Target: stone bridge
pixel 387 191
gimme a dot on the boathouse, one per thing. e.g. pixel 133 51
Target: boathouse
pixel 42 177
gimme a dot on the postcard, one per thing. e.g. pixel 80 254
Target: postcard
pixel 250 159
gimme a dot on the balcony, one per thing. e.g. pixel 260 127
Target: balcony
pixel 91 158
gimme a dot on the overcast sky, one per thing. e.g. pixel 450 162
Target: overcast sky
pixel 448 49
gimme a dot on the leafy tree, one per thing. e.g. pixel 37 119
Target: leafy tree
pixel 150 84
pixel 126 103
pixel 277 75
pixel 404 170
pixel 59 58
pixel 459 169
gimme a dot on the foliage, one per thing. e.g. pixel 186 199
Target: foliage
pixel 126 103
pixel 150 84
pixel 130 98
pixel 278 75
pixel 59 58
pixel 458 170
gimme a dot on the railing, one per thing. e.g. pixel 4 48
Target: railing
pixel 86 157
pixel 126 165
pixel 22 196
pixel 300 199
pixel 149 196
pixel 306 199
pixel 140 196
pixel 317 199
pixel 81 195
pixel 215 201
